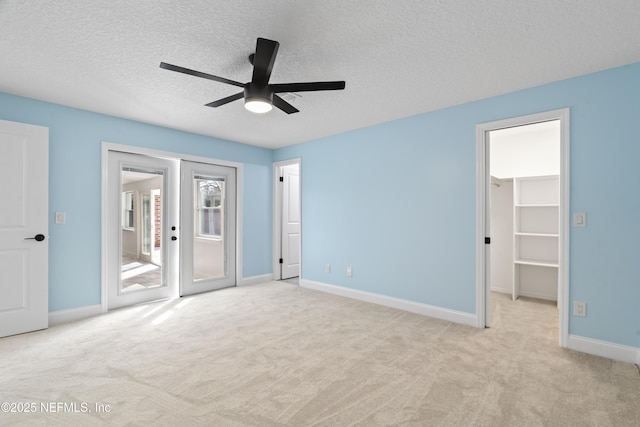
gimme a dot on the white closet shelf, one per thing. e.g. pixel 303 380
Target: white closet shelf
pixel 536 263
pixel 537 234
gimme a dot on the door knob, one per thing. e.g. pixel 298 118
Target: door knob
pixel 174 238
pixel 37 237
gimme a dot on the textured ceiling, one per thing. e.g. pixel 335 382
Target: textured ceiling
pixel 398 58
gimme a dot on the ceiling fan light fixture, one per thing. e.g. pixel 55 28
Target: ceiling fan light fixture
pixel 258 99
pixel 258 106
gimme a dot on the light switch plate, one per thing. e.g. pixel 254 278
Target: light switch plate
pixel 61 217
pixel 579 219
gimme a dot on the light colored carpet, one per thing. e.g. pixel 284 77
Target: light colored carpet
pixel 279 355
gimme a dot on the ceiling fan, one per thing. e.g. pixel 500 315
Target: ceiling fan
pixel 260 96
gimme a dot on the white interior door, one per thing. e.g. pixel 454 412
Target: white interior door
pixel 208 199
pixel 290 221
pixel 142 229
pixel 487 228
pixel 24 195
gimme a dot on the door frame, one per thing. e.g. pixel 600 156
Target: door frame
pixel 105 211
pixel 277 215
pixel 483 192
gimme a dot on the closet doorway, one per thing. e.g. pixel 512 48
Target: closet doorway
pixel 525 201
pixel 522 215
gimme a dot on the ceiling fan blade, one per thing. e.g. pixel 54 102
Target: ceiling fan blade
pixel 226 100
pixel 307 87
pixel 263 60
pixel 284 105
pixel 199 74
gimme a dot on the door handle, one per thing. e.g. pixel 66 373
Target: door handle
pixel 174 238
pixel 37 237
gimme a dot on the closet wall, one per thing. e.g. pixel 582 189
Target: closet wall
pixel 524 154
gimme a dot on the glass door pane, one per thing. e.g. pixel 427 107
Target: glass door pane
pixel 208 238
pixel 139 270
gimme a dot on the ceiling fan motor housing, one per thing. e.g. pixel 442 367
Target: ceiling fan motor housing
pixel 254 92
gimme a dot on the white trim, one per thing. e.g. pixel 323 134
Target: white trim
pixel 277 215
pixel 565 225
pixel 400 304
pixel 109 146
pixel 256 280
pixel 239 200
pixel 104 166
pixel 603 349
pixel 65 316
pixel 481 197
pixel 481 180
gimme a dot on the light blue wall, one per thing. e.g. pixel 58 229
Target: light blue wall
pixel 397 201
pixel 75 138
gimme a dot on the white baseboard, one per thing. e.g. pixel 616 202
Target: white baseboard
pixel 536 295
pixel 64 316
pixel 526 294
pixel 254 280
pixel 401 304
pixel 604 349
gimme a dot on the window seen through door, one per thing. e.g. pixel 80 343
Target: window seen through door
pixel 209 207
pixel 127 209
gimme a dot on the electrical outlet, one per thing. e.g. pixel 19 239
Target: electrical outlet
pixel 349 272
pixel 579 308
pixel 327 268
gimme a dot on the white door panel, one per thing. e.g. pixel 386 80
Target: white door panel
pixel 290 221
pixel 24 197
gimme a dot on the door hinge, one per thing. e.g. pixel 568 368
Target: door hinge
pixel 487 240
pixel 282 179
pixel 281 261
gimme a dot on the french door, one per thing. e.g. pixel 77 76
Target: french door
pixel 143 227
pixel 171 228
pixel 208 227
